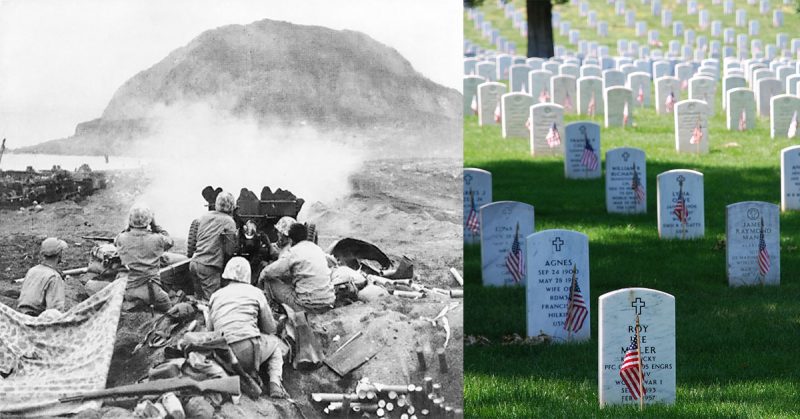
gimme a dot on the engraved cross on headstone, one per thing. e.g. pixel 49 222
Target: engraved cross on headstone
pixel 468 179
pixel 625 156
pixel 557 243
pixel 638 304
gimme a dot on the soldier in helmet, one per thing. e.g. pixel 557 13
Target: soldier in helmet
pixel 141 248
pixel 214 229
pixel 44 287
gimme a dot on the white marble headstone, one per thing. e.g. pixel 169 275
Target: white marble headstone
pixel 477 193
pixel 617 326
pixel 582 142
pixel 745 264
pixel 703 88
pixel 790 178
pixel 588 88
pixel 691 126
pixel 489 94
pixel 518 77
pixel 639 82
pixel 687 220
pixel 613 78
pixel 665 86
pixel 741 100
pixel 499 222
pixel 514 114
pixel 539 82
pixel 784 112
pixel 615 100
pixel 470 92
pixel 563 89
pixel 544 115
pixel 552 257
pixel 766 88
pixel 626 181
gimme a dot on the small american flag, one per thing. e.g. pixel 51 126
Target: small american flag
pixel 498 115
pixel 592 106
pixel 640 95
pixel 681 210
pixel 514 260
pixel 588 159
pixel 670 102
pixel 743 121
pixel 684 84
pixel 697 134
pixel 544 96
pixel 636 186
pixel 793 126
pixel 576 311
pixel 473 224
pixel 763 255
pixel 553 137
pixel 567 102
pixel 523 89
pixel 631 370
pixel 529 124
pixel 625 115
pixel 474 105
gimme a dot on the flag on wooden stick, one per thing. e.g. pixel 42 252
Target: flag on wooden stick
pixel 697 133
pixel 592 106
pixel 670 102
pixel 636 186
pixel 576 309
pixel 625 115
pixel 640 95
pixel 588 159
pixel 681 211
pixel 544 96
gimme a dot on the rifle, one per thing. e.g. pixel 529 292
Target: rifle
pixel 226 385
pixel 75 271
pixel 99 238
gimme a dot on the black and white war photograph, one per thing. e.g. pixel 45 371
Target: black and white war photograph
pixel 234 209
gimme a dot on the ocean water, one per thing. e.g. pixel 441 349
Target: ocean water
pixel 12 161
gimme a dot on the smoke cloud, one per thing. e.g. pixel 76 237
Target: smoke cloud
pixel 196 145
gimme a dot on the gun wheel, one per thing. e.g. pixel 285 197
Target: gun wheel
pixel 312 233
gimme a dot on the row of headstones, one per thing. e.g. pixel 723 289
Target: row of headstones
pixel 631 49
pixel 626 190
pixel 591 99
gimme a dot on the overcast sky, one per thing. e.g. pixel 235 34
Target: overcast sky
pixel 61 60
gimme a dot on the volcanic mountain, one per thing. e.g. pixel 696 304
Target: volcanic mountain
pixel 275 73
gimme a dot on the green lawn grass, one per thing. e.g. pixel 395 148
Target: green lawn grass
pixel 737 348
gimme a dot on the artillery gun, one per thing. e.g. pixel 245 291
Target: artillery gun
pixel 255 217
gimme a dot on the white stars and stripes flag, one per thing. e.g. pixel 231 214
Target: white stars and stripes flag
pixel 636 186
pixel 625 115
pixel 474 105
pixel 473 224
pixel 498 114
pixel 640 95
pixel 592 106
pixel 553 137
pixel 567 102
pixel 681 211
pixel 763 255
pixel 589 159
pixel 514 259
pixel 670 102
pixel 576 311
pixel 631 370
pixel 697 134
pixel 793 126
pixel 743 121
pixel 544 96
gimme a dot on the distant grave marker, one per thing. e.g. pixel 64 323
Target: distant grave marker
pixel 619 106
pixel 489 95
pixel 503 224
pixel 470 92
pixel 790 178
pixel 681 204
pixel 691 126
pixel 547 129
pixel 582 151
pixel 752 249
pixel 477 193
pixel 741 112
pixel 626 181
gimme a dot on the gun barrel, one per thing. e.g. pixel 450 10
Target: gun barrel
pixel 227 385
pixel 75 271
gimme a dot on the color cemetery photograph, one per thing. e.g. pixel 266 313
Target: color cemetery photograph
pixel 235 209
pixel 631 213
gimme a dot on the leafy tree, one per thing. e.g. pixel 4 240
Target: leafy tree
pixel 540 27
